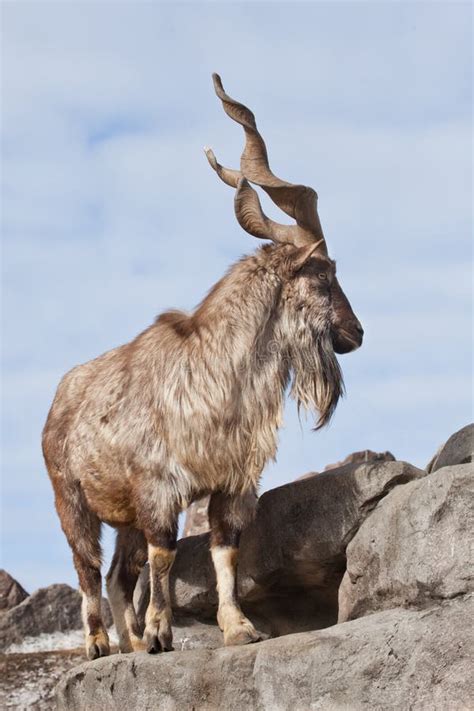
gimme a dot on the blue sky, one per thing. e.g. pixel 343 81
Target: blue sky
pixel 111 213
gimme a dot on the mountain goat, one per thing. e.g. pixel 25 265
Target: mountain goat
pixel 192 407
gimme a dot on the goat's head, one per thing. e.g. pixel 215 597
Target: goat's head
pixel 308 274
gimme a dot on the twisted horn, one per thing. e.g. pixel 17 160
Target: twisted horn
pixel 227 175
pixel 252 219
pixel 248 209
pixel 297 201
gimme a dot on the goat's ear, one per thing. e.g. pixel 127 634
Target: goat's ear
pixel 298 258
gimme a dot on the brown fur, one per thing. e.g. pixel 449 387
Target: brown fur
pixel 193 404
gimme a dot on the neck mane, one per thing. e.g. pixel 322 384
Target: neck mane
pixel 235 329
pixel 225 368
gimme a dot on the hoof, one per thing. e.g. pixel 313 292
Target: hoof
pixel 242 634
pixel 155 643
pixel 97 646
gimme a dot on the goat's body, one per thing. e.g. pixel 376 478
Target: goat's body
pixel 148 415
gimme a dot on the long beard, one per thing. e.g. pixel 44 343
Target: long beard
pixel 317 378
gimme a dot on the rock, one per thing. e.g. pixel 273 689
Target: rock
pixel 56 608
pixel 459 449
pixel 385 662
pixel 192 634
pixel 298 541
pixel 366 455
pixel 292 557
pixel 11 592
pixel 415 548
pixel 196 520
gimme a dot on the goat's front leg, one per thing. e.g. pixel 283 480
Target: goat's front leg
pixel 228 515
pixel 158 635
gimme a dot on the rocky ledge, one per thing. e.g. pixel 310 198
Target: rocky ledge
pixel 390 660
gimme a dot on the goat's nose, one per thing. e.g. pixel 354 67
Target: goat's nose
pixel 357 329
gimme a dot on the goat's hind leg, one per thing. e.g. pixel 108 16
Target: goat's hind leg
pixel 159 523
pixel 158 635
pixel 82 529
pixel 129 558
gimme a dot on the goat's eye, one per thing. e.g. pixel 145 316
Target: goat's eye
pixel 323 276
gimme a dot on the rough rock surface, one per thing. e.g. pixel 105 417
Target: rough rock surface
pixel 365 455
pixel 30 672
pixel 415 548
pixel 399 659
pixel 11 592
pixel 28 681
pixel 193 634
pixel 292 558
pixel 56 608
pixel 459 449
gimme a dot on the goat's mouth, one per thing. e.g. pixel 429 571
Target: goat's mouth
pixel 346 341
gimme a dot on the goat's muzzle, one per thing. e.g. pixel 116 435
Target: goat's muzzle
pixel 348 337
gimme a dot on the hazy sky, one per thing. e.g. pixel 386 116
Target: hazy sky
pixel 111 213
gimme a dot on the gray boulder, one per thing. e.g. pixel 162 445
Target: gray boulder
pixel 459 449
pixel 292 558
pixel 56 608
pixel 416 547
pixel 11 592
pixel 392 660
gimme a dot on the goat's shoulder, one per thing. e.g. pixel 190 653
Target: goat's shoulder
pixel 175 322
